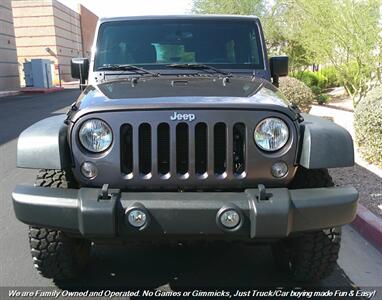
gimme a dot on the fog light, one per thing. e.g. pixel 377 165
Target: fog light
pixel 230 218
pixel 89 170
pixel 137 218
pixel 279 169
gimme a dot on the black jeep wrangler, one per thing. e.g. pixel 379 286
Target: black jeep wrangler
pixel 181 135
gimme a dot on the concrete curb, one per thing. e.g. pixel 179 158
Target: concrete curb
pixel 339 107
pixel 30 90
pixel 369 226
pixel 4 94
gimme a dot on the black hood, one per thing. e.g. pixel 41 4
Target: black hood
pixel 170 92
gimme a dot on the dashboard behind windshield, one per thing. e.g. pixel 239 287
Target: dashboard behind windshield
pixel 153 44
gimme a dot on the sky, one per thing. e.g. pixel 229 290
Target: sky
pixel 114 8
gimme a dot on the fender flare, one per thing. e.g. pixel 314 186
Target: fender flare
pixel 325 144
pixel 44 145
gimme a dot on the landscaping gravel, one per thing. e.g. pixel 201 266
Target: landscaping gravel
pixel 368 184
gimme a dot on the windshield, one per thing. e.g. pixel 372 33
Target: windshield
pixel 154 44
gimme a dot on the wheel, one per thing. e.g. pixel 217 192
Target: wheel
pixel 310 256
pixel 56 255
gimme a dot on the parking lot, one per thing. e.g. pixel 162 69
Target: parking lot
pixel 164 267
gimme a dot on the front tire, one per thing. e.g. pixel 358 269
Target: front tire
pixel 55 254
pixel 310 256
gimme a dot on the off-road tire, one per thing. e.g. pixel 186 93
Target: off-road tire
pixel 310 256
pixel 55 179
pixel 56 255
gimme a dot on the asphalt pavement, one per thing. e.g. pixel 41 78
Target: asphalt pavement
pixel 164 267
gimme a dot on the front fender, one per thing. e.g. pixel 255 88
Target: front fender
pixel 44 145
pixel 325 144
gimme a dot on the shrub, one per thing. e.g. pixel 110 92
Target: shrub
pixel 297 92
pixel 368 126
pixel 311 78
pixel 331 74
pixel 307 77
pixel 322 80
pixel 316 90
pixel 322 98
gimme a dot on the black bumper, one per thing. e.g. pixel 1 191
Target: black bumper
pixel 185 214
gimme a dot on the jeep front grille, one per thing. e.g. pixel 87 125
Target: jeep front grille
pixel 183 150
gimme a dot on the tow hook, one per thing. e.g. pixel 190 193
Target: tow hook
pixel 104 195
pixel 262 195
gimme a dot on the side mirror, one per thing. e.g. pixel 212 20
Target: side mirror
pixel 80 69
pixel 279 68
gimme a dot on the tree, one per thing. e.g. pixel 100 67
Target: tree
pixel 233 7
pixel 276 19
pixel 345 33
pixel 260 8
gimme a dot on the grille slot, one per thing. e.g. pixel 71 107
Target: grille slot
pixel 127 149
pixel 238 151
pixel 145 149
pixel 163 148
pixel 220 148
pixel 182 148
pixel 200 148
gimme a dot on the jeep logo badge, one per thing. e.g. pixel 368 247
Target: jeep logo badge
pixel 182 117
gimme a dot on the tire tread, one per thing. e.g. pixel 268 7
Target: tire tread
pixel 315 254
pixel 54 254
pixel 310 256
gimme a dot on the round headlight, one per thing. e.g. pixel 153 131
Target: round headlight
pixel 95 135
pixel 271 134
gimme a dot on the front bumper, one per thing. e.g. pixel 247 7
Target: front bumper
pixel 191 214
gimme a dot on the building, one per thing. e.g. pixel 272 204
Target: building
pixel 48 29
pixel 88 26
pixel 9 74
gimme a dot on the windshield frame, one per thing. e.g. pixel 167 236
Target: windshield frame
pixel 163 67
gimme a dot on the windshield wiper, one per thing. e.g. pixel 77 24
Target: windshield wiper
pixel 202 67
pixel 125 67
